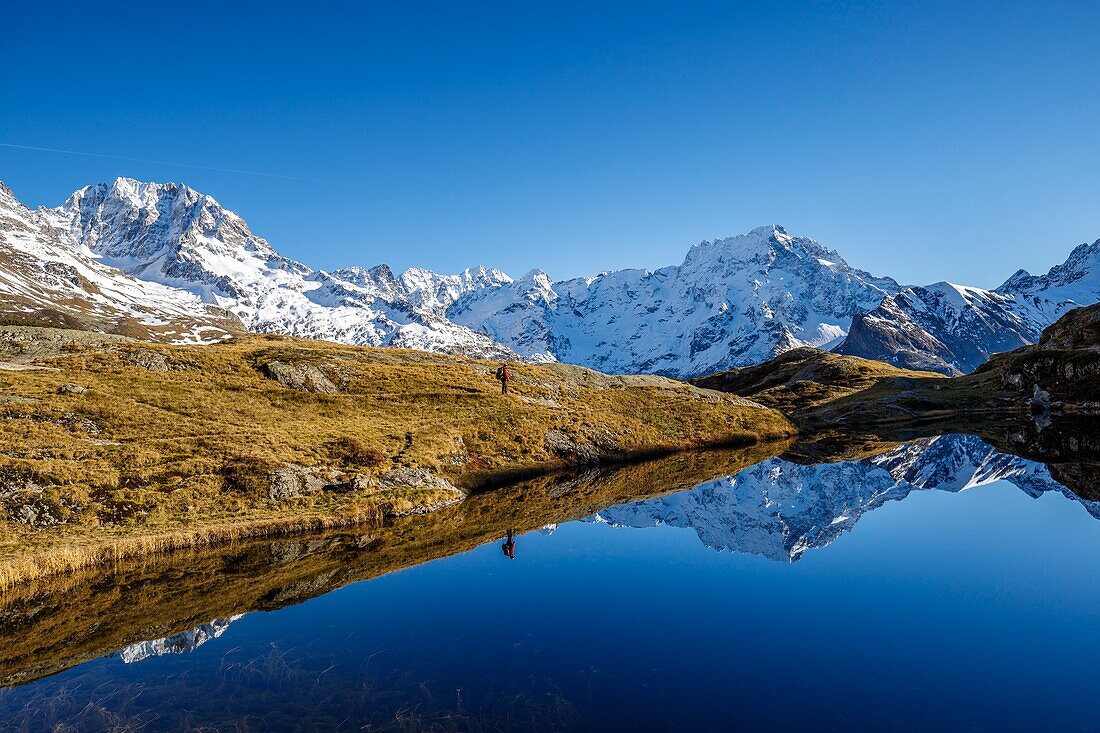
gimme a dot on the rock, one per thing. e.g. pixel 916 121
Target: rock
pixel 72 388
pixel 30 505
pixel 8 399
pixel 540 401
pixel 303 377
pixel 290 481
pixel 420 478
pixel 562 445
pixel 78 422
pixel 358 483
pixel 148 359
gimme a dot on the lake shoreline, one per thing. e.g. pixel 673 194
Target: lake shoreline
pixel 72 552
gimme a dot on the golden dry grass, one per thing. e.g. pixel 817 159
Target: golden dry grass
pixel 146 459
pixel 806 378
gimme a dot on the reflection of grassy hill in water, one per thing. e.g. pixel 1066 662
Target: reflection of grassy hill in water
pixel 54 623
pixel 165 446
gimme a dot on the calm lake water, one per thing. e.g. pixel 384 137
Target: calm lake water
pixel 939 585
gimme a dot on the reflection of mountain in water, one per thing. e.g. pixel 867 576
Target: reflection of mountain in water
pixel 780 509
pixel 181 643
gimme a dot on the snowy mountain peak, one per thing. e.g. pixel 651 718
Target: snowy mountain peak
pixel 732 302
pixel 47 275
pixel 1081 267
pixel 955 328
pixel 779 509
pixel 763 245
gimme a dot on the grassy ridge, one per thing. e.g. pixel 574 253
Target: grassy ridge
pixel 168 443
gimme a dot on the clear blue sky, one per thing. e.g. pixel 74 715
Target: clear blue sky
pixel 926 141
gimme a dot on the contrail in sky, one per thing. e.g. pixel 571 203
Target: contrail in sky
pixel 161 162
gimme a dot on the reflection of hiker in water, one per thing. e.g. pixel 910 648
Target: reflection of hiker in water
pixel 509 546
pixel 503 376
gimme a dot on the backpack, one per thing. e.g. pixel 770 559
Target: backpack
pixel 500 374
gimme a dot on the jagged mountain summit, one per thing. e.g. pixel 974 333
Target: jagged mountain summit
pixel 732 302
pixel 779 510
pixel 175 236
pixel 954 329
pixel 45 278
pixel 181 643
pixel 165 261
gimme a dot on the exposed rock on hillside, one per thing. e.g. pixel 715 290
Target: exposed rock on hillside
pixel 303 377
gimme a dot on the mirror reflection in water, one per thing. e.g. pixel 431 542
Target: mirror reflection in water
pixel 876 582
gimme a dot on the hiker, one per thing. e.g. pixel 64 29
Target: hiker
pixel 503 376
pixel 509 546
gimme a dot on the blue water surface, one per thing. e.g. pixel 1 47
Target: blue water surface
pixel 971 611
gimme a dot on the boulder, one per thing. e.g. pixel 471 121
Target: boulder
pixel 72 388
pixel 32 506
pixel 356 484
pixel 560 444
pixel 290 481
pixel 302 377
pixel 147 359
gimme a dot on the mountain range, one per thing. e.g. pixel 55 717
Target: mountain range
pixel 164 261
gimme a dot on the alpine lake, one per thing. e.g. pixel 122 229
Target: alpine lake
pixel 905 584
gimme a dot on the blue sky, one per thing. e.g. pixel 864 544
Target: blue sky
pixel 926 141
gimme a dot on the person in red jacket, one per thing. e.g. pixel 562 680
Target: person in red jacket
pixel 503 376
pixel 509 546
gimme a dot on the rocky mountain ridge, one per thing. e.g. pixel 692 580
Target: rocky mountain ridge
pixel 164 254
pixel 953 329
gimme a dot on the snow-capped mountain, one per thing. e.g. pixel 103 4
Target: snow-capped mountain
pixel 780 509
pixel 44 277
pixel 181 643
pixel 732 302
pixel 954 329
pixel 165 261
pixel 173 235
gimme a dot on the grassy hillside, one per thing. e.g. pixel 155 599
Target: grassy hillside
pixel 805 378
pixel 119 440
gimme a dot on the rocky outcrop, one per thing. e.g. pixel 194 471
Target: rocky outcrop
pixel 561 445
pixel 291 481
pixel 1063 368
pixel 302 377
pixel 148 359
pixel 28 503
